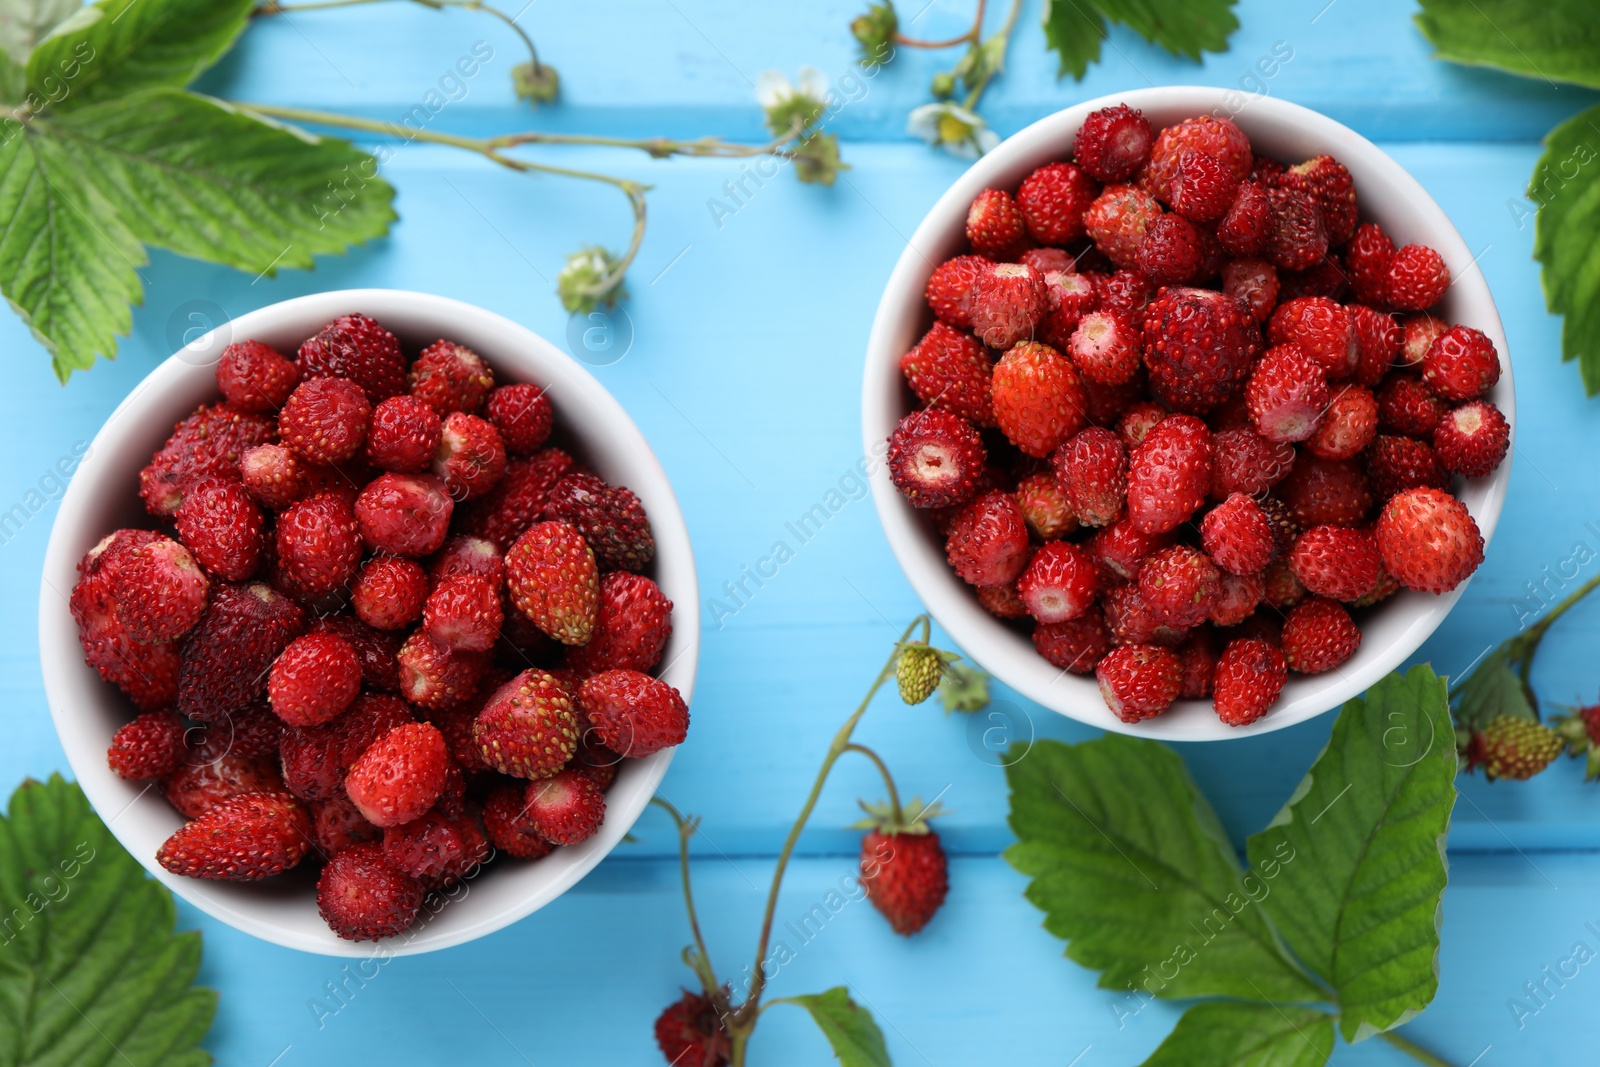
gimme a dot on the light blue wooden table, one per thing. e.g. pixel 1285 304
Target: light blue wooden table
pixel 744 371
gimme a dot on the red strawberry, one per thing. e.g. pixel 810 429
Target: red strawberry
pixel 1131 621
pixel 226 657
pixel 518 500
pixel 505 820
pixel 1252 282
pixel 212 773
pixel 1348 425
pixel 463 613
pixel 1324 278
pixel 903 866
pixel 1366 260
pixel 1249 676
pixel 277 477
pixel 1127 291
pixel 1248 463
pixel 319 544
pixel 553 580
pixel 566 808
pixel 1248 223
pixel 314 679
pixel 950 370
pixel 1076 645
pixel 427 848
pixel 1320 491
pixel 432 676
pixel 1472 440
pixel 1237 536
pixel 362 898
pixel 336 824
pixel 1461 364
pixel 1105 348
pixel 1407 406
pixel 949 290
pixel 1336 562
pixel 1049 260
pixel 325 420
pixel 208 443
pixel 522 414
pixel 1113 144
pixel 994 224
pixel 1322 329
pixel 404 435
pixel 1318 636
pixel 1117 222
pixel 988 540
pixel 149 747
pixel 1206 135
pixel 403 514
pixel 254 377
pixel 1428 540
pixel 376 650
pixel 1420 333
pixel 1045 505
pixel 1179 586
pixel 1052 201
pixel 1093 467
pixel 527 728
pixel 1287 394
pixel 1059 583
pixel 158 591
pixel 1139 681
pixel 1169 474
pixel 316 758
pixel 1198 655
pixel 471 456
pixel 241 839
pixel 1298 238
pixel 633 714
pixel 935 459
pixel 1330 185
pixel 400 774
pixel 470 555
pixel 1169 253
pixel 1137 420
pixel 632 625
pixel 1122 547
pixel 1069 297
pixel 1008 304
pixel 222 526
pixel 450 377
pixel 1204 188
pixel 1280 588
pixel 1199 345
pixel 1417 278
pixel 389 592
pixel 357 348
pixel 609 517
pixel 1002 601
pixel 1038 398
pixel 1238 597
pixel 1379 340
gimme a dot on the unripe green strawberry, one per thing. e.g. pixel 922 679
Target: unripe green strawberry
pixel 918 672
pixel 1511 746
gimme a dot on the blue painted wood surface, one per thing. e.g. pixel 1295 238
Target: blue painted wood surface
pixel 744 370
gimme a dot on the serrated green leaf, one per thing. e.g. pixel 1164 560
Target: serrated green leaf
pixel 115 47
pixel 1223 1034
pixel 1566 186
pixel 1554 40
pixel 91 971
pixel 1074 28
pixel 1131 867
pixel 849 1028
pixel 1492 689
pixel 1360 865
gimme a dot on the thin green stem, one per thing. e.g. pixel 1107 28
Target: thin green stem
pixel 992 69
pixel 1530 639
pixel 271 7
pixel 1416 1052
pixel 888 780
pixel 707 973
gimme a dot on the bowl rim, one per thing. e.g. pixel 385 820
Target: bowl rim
pixel 67 679
pixel 989 642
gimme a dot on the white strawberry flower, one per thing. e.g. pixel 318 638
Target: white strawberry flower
pixel 952 127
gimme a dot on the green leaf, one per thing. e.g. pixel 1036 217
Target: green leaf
pixel 23 23
pixel 1131 867
pixel 1074 28
pixel 1553 40
pixel 1223 1034
pixel 115 47
pixel 851 1033
pixel 91 972
pixel 1493 689
pixel 1355 861
pixel 964 688
pixel 1566 186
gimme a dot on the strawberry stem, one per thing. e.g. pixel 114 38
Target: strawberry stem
pixel 704 970
pixel 888 780
pixel 1416 1052
pixel 965 38
pixel 272 7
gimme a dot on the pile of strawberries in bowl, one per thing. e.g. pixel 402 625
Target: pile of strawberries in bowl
pixel 1185 416
pixel 382 624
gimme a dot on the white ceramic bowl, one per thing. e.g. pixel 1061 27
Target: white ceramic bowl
pixel 1388 195
pixel 103 495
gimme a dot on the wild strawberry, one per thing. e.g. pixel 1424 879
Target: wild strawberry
pixel 1048 260
pixel 505 820
pixel 1325 278
pixel 336 824
pixel 633 714
pixel 1286 526
pixel 325 420
pixel 1204 187
pixel 1198 657
pixel 1118 220
pixel 426 848
pixel 158 590
pixel 357 348
pixel 1287 394
pixel 1179 585
pixel 1139 681
pixel 1206 135
pixel 319 544
pixel 450 377
pixel 1336 562
pixel 211 773
pixel 1407 406
pixel 1169 253
pixel 471 457
pixel 400 774
pixel 1238 597
pixel 1417 278
pixel 1252 282
pixel 225 657
pixel 1126 291
pixel 518 500
pixel 1038 398
pixel 1511 746
pixel 313 680
pixel 1052 201
pixel 1132 622
pixel 209 443
pixel 404 435
pixel 553 580
pixel 1298 238
pixel 610 518
pixel 566 808
pixel 254 377
pixel 1001 601
pixel 1472 439
pixel 469 555
pixel 403 514
pixel 1046 507
pixel 527 728
pixel 277 477
pixel 221 525
pixel 1199 346
pixel 1113 144
pixel 1428 539
pixel 432 676
pixel 1122 547
pixel 1320 491
pixel 362 898
pixel 1318 636
pixel 1279 587
pixel 463 613
pixel 1237 536
pixel 1420 333
pixel 241 839
pixel 1008 304
pixel 949 370
pixel 632 626
pixel 1248 463
pixel 389 592
pixel 1379 342
pixel 690 1032
pixel 1248 222
pixel 1076 645
pixel 1137 420
pixel 1386 588
pixel 1093 468
pixel 522 414
pixel 1348 425
pixel 316 758
pixel 1461 364
pixel 949 289
pixel 146 674
pixel 149 747
pixel 1330 185
pixel 994 224
pixel 377 650
pixel 988 540
pixel 1068 298
pixel 1249 676
pixel 1366 261
pixel 1105 348
pixel 1322 329
pixel 1059 583
pixel 1169 474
